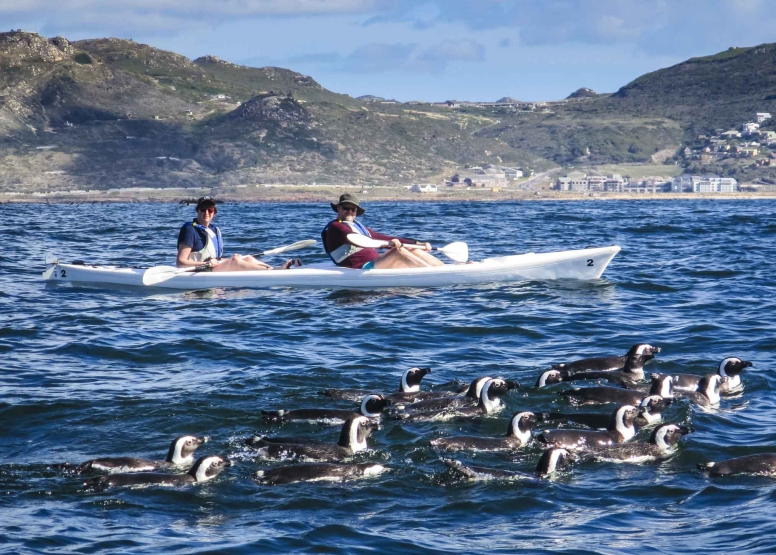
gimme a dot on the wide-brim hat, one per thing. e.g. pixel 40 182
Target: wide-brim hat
pixel 352 199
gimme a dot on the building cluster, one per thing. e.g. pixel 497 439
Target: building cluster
pixel 750 142
pixel 485 176
pixel 510 105
pixel 615 183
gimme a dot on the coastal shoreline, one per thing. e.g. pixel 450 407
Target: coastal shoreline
pixel 327 194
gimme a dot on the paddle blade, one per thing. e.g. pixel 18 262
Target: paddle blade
pixel 158 274
pixel 295 246
pixel 458 251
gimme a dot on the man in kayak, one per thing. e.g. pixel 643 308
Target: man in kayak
pixel 200 243
pixel 346 254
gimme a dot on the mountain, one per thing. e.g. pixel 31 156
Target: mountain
pixel 105 113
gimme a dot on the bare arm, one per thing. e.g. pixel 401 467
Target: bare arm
pixel 183 258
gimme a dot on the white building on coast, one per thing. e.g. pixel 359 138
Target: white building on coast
pixel 704 184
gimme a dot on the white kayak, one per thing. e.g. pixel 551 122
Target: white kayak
pixel 581 264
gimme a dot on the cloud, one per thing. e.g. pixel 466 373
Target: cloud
pixel 452 50
pixel 195 8
pixel 654 27
pixel 382 57
pixel 378 58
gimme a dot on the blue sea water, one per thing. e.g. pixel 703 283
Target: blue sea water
pixel 90 372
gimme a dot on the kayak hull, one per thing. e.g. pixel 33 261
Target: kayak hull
pixel 581 264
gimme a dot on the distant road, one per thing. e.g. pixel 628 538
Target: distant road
pixel 528 185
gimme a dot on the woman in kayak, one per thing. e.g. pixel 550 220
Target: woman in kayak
pixel 344 253
pixel 200 243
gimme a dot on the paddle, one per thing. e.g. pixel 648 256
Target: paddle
pixel 458 252
pixel 158 274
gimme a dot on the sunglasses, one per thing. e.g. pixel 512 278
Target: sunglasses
pixel 349 208
pixel 211 210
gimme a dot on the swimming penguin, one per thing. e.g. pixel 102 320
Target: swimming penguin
pixel 662 444
pixel 409 388
pixel 651 407
pixel 318 472
pixel 469 399
pixel 763 464
pixel 518 435
pixel 371 407
pixel 181 453
pixel 632 372
pixel 730 367
pixel 622 429
pixel 551 461
pixel 643 350
pixel 603 394
pixel 352 440
pixel 489 403
pixel 206 468
pixel 708 390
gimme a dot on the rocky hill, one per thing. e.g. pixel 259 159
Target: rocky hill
pixel 106 113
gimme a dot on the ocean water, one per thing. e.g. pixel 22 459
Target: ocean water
pixel 90 372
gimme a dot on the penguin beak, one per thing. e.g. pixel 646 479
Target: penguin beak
pixel 511 384
pixel 203 439
pixel 745 364
pixel 684 430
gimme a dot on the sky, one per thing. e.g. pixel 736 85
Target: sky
pixel 423 50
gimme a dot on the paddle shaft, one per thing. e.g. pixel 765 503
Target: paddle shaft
pixel 458 252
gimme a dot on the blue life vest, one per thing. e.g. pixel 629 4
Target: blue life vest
pixel 213 248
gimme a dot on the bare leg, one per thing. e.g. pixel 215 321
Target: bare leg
pixel 399 258
pixel 240 263
pixel 427 257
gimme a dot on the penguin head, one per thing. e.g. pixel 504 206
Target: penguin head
pixel 653 405
pixel 207 468
pixel 521 424
pixel 662 385
pixel 410 379
pixel 549 377
pixel 645 350
pixel 355 431
pixel 626 415
pixel 732 366
pixel 668 435
pixel 490 396
pixel 373 405
pixel 552 460
pixel 182 449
